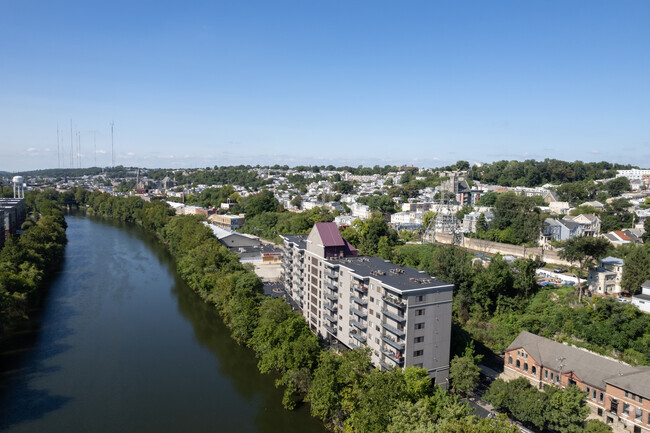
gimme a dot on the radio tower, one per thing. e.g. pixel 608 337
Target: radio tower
pixel 71 146
pixel 58 147
pixel 112 146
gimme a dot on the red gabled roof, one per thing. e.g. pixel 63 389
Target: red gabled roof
pixel 329 234
pixel 622 236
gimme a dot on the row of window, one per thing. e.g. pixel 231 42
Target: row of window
pixel 592 393
pixel 633 397
pixel 630 411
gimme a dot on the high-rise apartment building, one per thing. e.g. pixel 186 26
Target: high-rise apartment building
pixel 402 314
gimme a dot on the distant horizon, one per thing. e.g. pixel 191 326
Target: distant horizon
pixel 312 164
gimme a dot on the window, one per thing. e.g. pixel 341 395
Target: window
pixel 419 326
pixel 509 360
pixel 418 353
pixel 419 312
pixel 588 390
pixel 600 411
pixel 557 378
pixel 525 366
pixel 518 364
pixel 533 370
pixel 546 374
pixel 626 394
pixel 600 397
pixel 551 376
pixel 377 328
pixel 626 409
pixel 421 339
pixel 371 298
pixel 377 315
pixel 419 298
pixel 593 394
pixel 638 414
pixel 372 311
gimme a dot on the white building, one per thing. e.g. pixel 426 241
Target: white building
pixel 606 278
pixel 633 174
pixel 642 301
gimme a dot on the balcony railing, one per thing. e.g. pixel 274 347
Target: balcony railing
pixel 393 316
pixel 393 330
pixel 392 342
pixel 330 329
pixel 331 286
pixel 360 338
pixel 329 318
pixel 358 313
pixel 395 302
pixel 393 356
pixel 331 296
pixel 358 325
pixel 361 289
pixel 332 308
pixel 359 301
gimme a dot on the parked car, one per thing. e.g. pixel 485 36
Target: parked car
pixel 559 270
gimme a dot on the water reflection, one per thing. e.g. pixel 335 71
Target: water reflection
pixel 122 344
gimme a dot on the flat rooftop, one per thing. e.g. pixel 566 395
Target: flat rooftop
pixel 402 278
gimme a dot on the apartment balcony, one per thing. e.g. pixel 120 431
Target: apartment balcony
pixel 329 318
pixel 395 302
pixel 393 356
pixel 333 275
pixel 363 302
pixel 360 289
pixel 357 336
pixel 393 330
pixel 332 308
pixel 360 326
pixel 330 329
pixel 393 316
pixel 331 296
pixel 331 286
pixel 393 343
pixel 358 313
pixel 385 365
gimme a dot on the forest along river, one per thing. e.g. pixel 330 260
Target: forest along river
pixel 121 344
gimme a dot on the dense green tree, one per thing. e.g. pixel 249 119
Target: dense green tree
pixel 520 215
pixel 464 373
pixel 585 250
pixel 596 426
pixel 636 269
pixel 567 411
pixel 616 216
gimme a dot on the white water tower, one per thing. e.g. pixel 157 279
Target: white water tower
pixel 19 187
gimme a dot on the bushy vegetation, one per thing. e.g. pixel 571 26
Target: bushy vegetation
pixel 533 173
pixel 555 409
pixel 27 261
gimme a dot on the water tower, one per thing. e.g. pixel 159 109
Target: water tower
pixel 19 187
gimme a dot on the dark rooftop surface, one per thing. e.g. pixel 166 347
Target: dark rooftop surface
pixel 399 277
pixel 299 240
pixel 329 234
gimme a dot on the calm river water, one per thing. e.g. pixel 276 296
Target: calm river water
pixel 121 344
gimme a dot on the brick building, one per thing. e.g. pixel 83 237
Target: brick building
pixel 617 394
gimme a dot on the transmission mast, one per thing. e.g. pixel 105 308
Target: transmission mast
pixel 112 146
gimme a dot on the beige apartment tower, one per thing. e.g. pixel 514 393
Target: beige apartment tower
pixel 402 314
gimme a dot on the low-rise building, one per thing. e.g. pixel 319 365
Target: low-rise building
pixel 642 300
pixel 12 214
pixel 606 278
pixel 617 393
pixel 230 222
pixel 400 313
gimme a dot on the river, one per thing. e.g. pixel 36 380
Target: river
pixel 121 344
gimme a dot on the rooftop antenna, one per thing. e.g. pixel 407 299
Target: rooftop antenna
pixel 78 149
pixel 112 146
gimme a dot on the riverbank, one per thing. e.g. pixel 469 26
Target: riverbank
pixel 29 261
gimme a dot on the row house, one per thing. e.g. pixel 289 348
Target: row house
pixel 617 394
pixel 400 313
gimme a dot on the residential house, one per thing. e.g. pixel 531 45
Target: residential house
pixel 589 223
pixel 559 230
pixel 559 207
pixel 617 394
pixel 470 220
pixel 230 222
pixel 606 278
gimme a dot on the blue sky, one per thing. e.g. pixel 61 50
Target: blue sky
pixel 208 83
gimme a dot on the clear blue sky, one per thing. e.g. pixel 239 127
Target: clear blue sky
pixel 206 83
